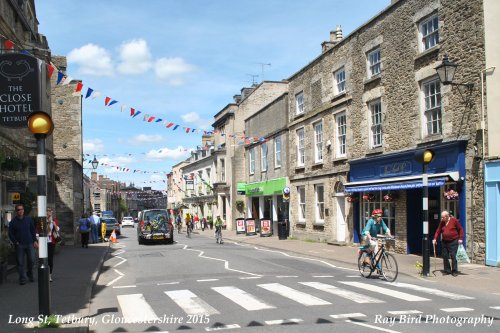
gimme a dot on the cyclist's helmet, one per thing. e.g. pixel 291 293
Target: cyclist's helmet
pixel 377 211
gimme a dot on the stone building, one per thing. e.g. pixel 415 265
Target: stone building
pixel 267 164
pixel 376 98
pixel 176 188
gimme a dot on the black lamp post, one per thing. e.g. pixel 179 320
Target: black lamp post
pixel 425 157
pixel 41 125
pixel 95 163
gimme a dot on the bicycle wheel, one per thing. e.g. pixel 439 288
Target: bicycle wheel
pixel 389 267
pixel 364 269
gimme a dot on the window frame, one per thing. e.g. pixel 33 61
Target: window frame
pixel 373 135
pixel 318 151
pixel 341 138
pixel 301 154
pixel 251 160
pixel 432 36
pixel 299 103
pixel 435 111
pixel 374 65
pixel 301 197
pixel 320 205
pixel 263 157
pixel 277 152
pixel 338 83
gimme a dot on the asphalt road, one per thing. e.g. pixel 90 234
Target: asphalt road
pixel 202 286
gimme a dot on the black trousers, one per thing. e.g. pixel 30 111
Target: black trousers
pixel 51 248
pixel 85 239
pixel 450 249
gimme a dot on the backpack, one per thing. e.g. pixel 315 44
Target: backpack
pixel 84 225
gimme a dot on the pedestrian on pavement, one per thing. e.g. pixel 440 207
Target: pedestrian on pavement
pixel 196 220
pixel 94 228
pixel 84 226
pixel 23 235
pixel 452 235
pixel 203 223
pixel 52 225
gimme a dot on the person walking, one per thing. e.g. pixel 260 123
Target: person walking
pixel 94 228
pixel 23 235
pixel 196 220
pixel 52 226
pixel 453 234
pixel 84 226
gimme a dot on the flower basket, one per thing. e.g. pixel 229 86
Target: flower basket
pixel 352 198
pixel 368 197
pixel 450 195
pixel 389 197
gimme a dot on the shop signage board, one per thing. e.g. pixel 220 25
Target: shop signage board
pixel 240 226
pixel 266 228
pixel 250 227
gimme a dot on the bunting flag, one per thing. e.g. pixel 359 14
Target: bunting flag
pixel 96 94
pixel 89 93
pixel 78 89
pixel 136 113
pixel 50 70
pixel 60 77
pixel 67 80
pixel 8 44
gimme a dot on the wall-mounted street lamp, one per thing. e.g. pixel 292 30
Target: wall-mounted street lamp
pixel 446 72
pixel 95 163
pixel 41 125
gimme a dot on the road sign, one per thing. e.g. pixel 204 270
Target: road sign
pixel 16 196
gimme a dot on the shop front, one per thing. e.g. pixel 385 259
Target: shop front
pixel 393 183
pixel 265 201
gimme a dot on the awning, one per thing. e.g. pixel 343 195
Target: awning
pixel 399 185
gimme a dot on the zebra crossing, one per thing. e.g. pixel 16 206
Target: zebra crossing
pixel 191 304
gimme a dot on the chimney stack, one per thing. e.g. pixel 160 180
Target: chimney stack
pixel 93 176
pixel 335 38
pixel 338 34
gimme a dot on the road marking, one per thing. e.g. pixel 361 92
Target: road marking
pixel 136 309
pixel 456 309
pixel 495 307
pixel 164 283
pixel 371 326
pixel 207 280
pixel 226 263
pixel 113 281
pixel 385 291
pixel 294 295
pixel 353 276
pixel 323 276
pixel 118 272
pixel 118 287
pixel 190 303
pixel 404 312
pixel 250 277
pixel 243 299
pixel 286 276
pixel 222 327
pixel 348 315
pixel 121 262
pixel 118 253
pixel 358 298
pixel 283 321
pixel 431 291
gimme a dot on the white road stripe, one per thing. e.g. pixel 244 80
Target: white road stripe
pixel 431 291
pixel 404 312
pixel 164 283
pixel 135 308
pixel 242 298
pixel 114 280
pixel 222 327
pixel 457 309
pixel 118 252
pixel 347 315
pixel 385 291
pixel 294 295
pixel 190 303
pixel 118 272
pixel 121 262
pixel 373 327
pixel 495 307
pixel 283 321
pixel 286 276
pixel 118 287
pixel 207 280
pixel 353 276
pixel 323 276
pixel 250 277
pixel 358 298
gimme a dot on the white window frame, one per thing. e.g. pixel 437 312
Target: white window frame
pixel 320 204
pixel 428 32
pixel 318 141
pixel 263 157
pixel 432 121
pixel 299 103
pixel 341 134
pixel 223 170
pixel 277 152
pixel 301 197
pixel 374 61
pixel 376 129
pixel 251 160
pixel 301 158
pixel 340 81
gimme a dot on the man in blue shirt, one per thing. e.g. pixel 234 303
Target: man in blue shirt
pixel 22 234
pixel 94 228
pixel 375 226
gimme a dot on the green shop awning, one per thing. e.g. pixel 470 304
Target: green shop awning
pixel 240 188
pixel 269 187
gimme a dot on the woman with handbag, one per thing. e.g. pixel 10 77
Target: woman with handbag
pixel 53 237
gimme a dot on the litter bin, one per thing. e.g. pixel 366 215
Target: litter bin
pixel 282 230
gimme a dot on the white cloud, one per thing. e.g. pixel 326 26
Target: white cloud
pixel 93 146
pixel 166 153
pixel 92 59
pixel 194 118
pixel 144 138
pixel 172 70
pixel 156 178
pixel 135 57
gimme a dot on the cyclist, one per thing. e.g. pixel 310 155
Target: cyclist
pixel 189 226
pixel 373 227
pixel 218 227
pixel 178 221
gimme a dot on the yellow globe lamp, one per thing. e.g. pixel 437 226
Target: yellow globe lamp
pixel 40 123
pixel 428 156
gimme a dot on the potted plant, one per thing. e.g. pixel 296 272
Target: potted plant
pixel 389 197
pixel 352 198
pixel 451 194
pixel 369 197
pixel 240 205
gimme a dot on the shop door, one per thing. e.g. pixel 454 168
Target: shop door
pixel 434 219
pixel 341 223
pixel 415 218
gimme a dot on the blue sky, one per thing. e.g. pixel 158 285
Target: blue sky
pixel 181 61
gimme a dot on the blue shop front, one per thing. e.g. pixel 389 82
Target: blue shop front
pixel 393 182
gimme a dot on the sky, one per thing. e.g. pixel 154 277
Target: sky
pixel 181 61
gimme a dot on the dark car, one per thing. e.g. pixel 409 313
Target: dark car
pixel 111 224
pixel 155 226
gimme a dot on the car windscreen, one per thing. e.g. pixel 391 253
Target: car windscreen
pixel 108 220
pixel 156 215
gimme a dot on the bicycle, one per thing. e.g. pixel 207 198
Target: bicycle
pixel 189 230
pixel 218 235
pixel 383 262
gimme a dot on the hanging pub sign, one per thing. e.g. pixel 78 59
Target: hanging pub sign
pixel 23 85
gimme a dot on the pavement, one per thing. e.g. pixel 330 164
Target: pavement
pixel 77 270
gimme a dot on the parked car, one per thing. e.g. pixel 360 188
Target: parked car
pixel 128 221
pixel 111 224
pixel 155 226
